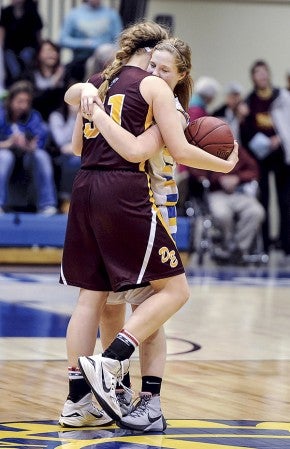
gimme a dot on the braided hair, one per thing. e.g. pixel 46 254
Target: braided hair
pixel 133 39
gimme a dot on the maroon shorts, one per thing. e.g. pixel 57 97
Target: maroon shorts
pixel 115 239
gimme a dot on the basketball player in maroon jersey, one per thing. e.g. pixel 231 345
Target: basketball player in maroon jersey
pixel 171 60
pixel 141 251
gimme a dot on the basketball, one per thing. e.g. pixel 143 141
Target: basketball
pixel 211 134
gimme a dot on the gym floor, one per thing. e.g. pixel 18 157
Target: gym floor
pixel 226 383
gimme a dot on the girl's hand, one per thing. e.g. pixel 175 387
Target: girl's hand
pixel 234 156
pixel 97 105
pixel 88 97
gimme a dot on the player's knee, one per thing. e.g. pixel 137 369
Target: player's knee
pixel 183 294
pixel 113 314
pixel 186 294
pixel 180 289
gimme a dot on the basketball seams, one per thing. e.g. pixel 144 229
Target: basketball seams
pixel 211 134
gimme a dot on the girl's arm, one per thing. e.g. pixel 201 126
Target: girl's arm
pixel 134 149
pixel 77 136
pixel 156 92
pixel 131 148
pixel 144 146
pixel 137 149
pixel 74 94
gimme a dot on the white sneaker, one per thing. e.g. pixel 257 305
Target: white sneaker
pixel 102 374
pixel 147 415
pixel 124 397
pixel 82 414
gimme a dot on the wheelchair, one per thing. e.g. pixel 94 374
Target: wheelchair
pixel 206 235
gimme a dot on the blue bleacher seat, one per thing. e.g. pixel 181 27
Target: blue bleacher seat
pixel 29 229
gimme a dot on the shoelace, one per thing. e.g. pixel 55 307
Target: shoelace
pixel 141 406
pixel 121 394
pixel 117 379
pixel 118 376
pixel 121 373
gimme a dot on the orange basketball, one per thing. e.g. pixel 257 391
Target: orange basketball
pixel 211 134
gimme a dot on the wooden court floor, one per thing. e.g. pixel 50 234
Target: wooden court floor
pixel 226 385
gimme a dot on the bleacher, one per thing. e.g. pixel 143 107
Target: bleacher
pixel 31 238
pixel 35 239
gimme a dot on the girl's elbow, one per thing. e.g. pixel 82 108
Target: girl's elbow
pixel 178 155
pixel 137 155
pixel 180 159
pixel 77 151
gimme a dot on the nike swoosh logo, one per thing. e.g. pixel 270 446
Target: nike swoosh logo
pixel 153 419
pixel 152 383
pixel 95 415
pixel 106 389
pixel 71 415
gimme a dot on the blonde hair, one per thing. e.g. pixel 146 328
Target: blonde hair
pixel 132 39
pixel 182 58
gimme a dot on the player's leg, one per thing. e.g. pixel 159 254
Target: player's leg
pixel 152 354
pixel 112 322
pixel 103 371
pixel 83 325
pixel 81 337
pixel 171 294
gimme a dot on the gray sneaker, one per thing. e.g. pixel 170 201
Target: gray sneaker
pixel 102 374
pixel 147 415
pixel 125 399
pixel 82 414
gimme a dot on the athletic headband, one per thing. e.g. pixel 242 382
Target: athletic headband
pixel 173 47
pixel 150 43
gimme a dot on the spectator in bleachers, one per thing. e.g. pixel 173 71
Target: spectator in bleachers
pixel 205 92
pixel 234 206
pixel 101 57
pixel 48 78
pixel 85 28
pixel 266 133
pixel 234 109
pixel 20 33
pixel 61 125
pixel 23 136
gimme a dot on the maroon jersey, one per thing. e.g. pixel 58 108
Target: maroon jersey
pixel 116 238
pixel 126 106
